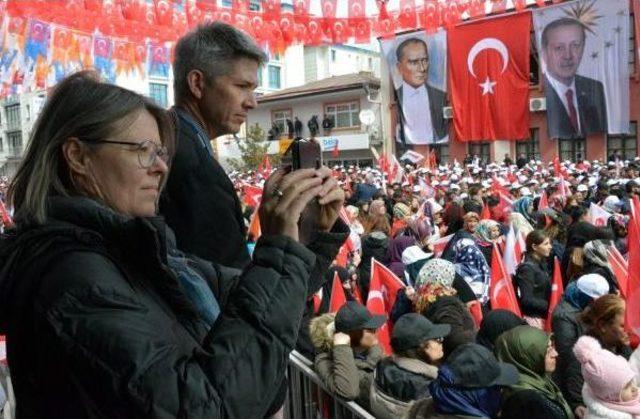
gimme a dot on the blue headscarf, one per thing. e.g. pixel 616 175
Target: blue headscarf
pixel 448 399
pixel 473 268
pixel 524 206
pixel 575 297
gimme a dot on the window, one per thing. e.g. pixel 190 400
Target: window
pixel 13 116
pixel 260 76
pixel 158 92
pixel 344 115
pixel 626 143
pixel 274 77
pixel 254 7
pixel 28 113
pixel 534 64
pixel 632 45
pixel 370 60
pixel 14 140
pixel 226 3
pixel 279 118
pixel 442 152
pixel 572 149
pixel 1 144
pixel 482 150
pixel 530 147
pixel 333 55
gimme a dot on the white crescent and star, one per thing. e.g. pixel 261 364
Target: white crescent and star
pixel 481 45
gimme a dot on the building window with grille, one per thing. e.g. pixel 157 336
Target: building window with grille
pixel 632 45
pixel 274 76
pixel 279 117
pixel 482 150
pixel 13 116
pixel 14 140
pixel 572 149
pixel 529 147
pixel 626 144
pixel 158 92
pixel 344 115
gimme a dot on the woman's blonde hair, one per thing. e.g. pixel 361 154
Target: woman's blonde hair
pixel 81 106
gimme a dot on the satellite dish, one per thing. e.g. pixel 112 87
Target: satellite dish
pixel 367 117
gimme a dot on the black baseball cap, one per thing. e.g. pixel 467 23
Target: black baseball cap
pixel 475 366
pixel 413 329
pixel 355 316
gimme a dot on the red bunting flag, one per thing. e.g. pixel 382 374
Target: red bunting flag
pixel 501 292
pixel 383 288
pixel 489 68
pixel 557 290
pixel 338 297
pixel 407 18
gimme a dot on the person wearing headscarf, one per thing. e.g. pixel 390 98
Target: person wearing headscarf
pixel 468 386
pixel 567 327
pixel 487 233
pixel 472 266
pixel 520 223
pixel 401 214
pixel 596 262
pixel 444 272
pixel 495 323
pixel 532 352
pixel 394 254
pixel 413 259
pixel 524 207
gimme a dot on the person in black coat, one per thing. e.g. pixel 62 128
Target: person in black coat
pixel 199 202
pixel 104 316
pixel 374 245
pixel 532 278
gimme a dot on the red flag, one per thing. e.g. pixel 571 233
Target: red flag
pixel 620 269
pixel 556 292
pixel 254 226
pixel 252 195
pixel 407 17
pixel 336 151
pixel 383 289
pixel 632 316
pixel 338 298
pixel 440 244
pixel 476 312
pixel 501 292
pixel 489 67
pixel 544 201
pixel 485 214
pixel 3 350
pixel 264 168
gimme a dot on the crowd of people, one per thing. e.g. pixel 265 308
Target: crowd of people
pixel 438 229
pixel 129 286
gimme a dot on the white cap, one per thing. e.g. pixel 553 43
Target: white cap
pixel 524 191
pixel 416 188
pixel 413 254
pixel 583 188
pixel 435 207
pixel 594 285
pixel 464 195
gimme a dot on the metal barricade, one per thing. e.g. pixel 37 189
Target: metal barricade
pixel 308 398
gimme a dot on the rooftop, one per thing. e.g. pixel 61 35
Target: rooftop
pixel 328 85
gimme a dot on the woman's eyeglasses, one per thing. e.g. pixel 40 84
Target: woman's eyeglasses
pixel 147 151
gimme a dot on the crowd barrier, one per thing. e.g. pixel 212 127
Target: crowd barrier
pixel 308 398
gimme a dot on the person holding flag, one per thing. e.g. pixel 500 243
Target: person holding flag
pixel 348 350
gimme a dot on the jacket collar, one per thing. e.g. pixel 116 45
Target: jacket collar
pixel 416 366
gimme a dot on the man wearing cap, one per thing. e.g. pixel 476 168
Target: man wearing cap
pixel 405 376
pixel 468 386
pixel 567 328
pixel 348 350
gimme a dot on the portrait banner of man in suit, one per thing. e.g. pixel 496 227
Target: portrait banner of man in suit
pixel 584 53
pixel 417 65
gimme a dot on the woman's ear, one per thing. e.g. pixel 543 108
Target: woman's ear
pixel 75 154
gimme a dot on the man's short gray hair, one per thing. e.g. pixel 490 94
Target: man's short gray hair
pixel 211 48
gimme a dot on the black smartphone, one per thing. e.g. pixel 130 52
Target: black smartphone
pixel 304 154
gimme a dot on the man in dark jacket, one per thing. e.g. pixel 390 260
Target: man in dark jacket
pixel 215 70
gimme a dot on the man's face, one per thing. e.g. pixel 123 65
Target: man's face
pixel 564 52
pixel 414 64
pixel 227 99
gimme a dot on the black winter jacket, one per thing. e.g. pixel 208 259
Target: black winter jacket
pixel 567 328
pixel 105 330
pixel 405 379
pixel 534 286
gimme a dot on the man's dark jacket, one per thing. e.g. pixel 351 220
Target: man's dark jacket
pixel 592 109
pixel 200 204
pixel 437 100
pixel 105 330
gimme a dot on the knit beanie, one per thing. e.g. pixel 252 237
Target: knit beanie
pixel 604 372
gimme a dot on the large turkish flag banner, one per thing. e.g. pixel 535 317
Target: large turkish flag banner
pixel 489 71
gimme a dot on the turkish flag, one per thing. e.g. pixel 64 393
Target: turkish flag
pixel 620 269
pixel 407 17
pixel 501 292
pixel 329 8
pixel 632 316
pixel 485 214
pixel 556 292
pixel 489 67
pixel 383 289
pixel 338 298
pixel 544 201
pixel 252 195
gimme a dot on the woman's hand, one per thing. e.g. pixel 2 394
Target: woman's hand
pixel 285 196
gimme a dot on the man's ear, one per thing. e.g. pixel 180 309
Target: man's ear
pixel 196 81
pixel 75 153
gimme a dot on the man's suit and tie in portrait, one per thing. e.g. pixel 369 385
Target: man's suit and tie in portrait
pixel 420 105
pixel 575 104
